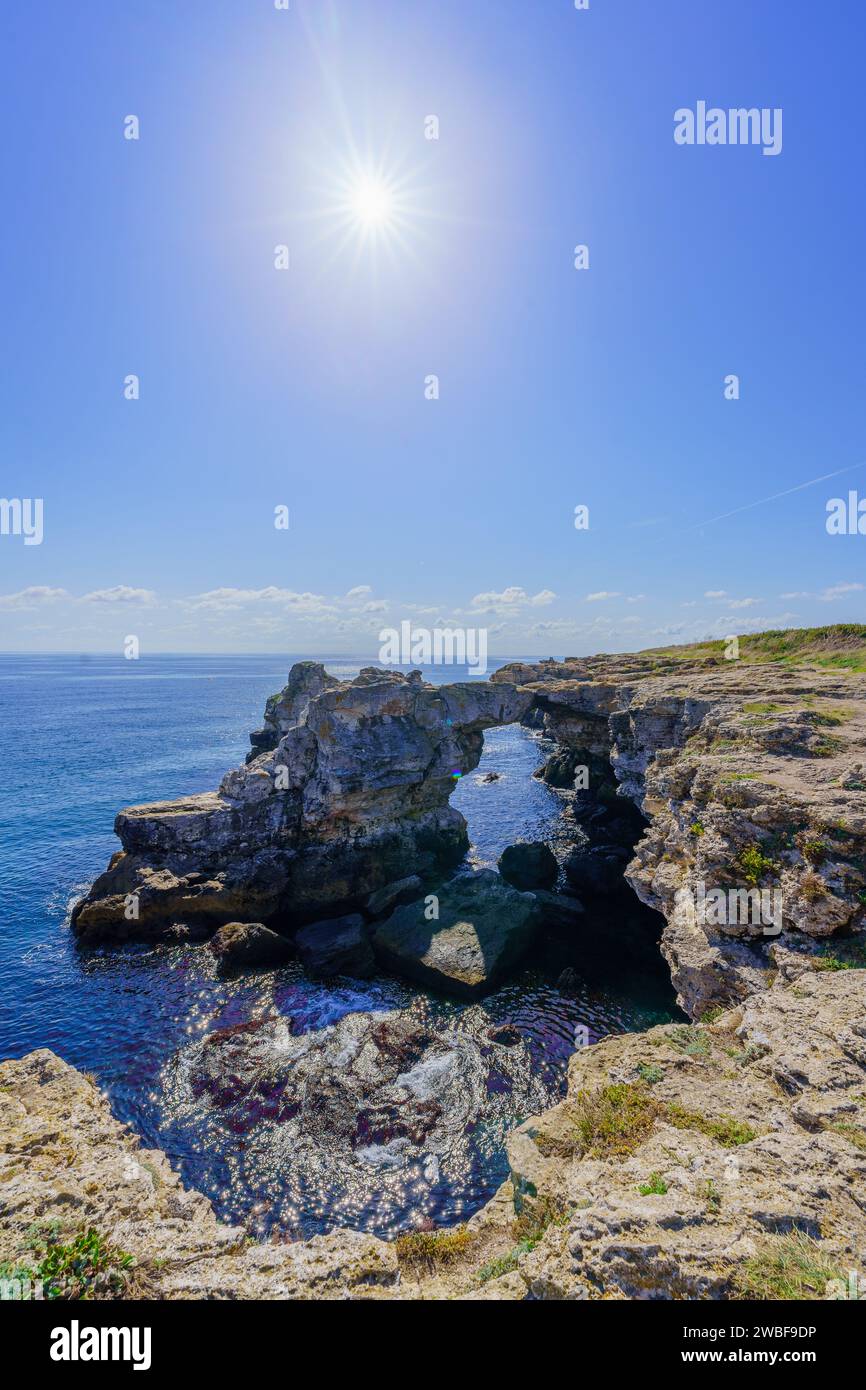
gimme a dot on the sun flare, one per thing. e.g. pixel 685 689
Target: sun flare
pixel 372 203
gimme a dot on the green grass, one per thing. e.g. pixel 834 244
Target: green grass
pixel 840 646
pixel 690 1040
pixel 726 1130
pixel 655 1186
pixel 789 1267
pixel 842 958
pixel 755 865
pixel 504 1264
pixel 762 707
pixel 535 1218
pixel 614 1120
pixel 650 1073
pixel 713 1196
pixel 427 1251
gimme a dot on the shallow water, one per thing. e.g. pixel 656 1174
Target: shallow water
pixel 88 736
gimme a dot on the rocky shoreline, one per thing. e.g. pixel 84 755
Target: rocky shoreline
pixel 685 1162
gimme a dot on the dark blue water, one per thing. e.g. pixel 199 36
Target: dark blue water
pixel 87 735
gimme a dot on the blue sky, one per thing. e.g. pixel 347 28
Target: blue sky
pixel 305 387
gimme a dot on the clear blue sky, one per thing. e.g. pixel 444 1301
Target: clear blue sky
pixel 306 387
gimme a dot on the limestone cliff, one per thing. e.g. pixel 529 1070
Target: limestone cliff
pixel 750 779
pixel 691 1161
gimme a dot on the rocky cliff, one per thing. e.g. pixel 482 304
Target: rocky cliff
pixel 347 790
pixel 750 780
pixel 719 1159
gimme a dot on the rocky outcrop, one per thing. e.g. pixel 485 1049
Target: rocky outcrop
pixel 346 791
pixel 685 1162
pixel 682 1159
pixel 465 940
pixel 67 1166
pixel 747 778
pixel 733 779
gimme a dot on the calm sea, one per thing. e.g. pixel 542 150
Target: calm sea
pixel 87 735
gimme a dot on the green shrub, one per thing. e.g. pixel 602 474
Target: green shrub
pixel 754 864
pixel 85 1268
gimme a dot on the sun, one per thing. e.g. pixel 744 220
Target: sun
pixel 375 210
pixel 372 204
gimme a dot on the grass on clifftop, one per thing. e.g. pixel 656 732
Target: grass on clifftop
pixel 791 1267
pixel 841 646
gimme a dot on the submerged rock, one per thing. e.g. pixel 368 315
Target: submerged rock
pixel 249 943
pixel 528 864
pixel 369 1109
pixel 339 947
pixel 483 928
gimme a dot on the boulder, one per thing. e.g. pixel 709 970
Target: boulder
pixel 528 865
pixel 403 890
pixel 558 909
pixel 338 947
pixel 483 929
pixel 248 943
pixel 560 767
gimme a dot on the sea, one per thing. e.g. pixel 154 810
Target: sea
pixel 86 735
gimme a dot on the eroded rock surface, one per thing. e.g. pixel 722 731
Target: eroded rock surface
pixel 346 792
pixel 66 1164
pixel 749 778
pixel 481 929
pixel 368 1110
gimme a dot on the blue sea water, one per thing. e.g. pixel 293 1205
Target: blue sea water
pixel 86 735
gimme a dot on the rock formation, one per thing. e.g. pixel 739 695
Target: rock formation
pixel 689 1161
pixel 346 791
pixel 747 780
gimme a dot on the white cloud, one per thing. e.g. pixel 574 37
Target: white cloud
pixel 359 591
pixel 27 598
pixel 221 599
pixel 715 593
pixel 510 600
pixel 602 594
pixel 837 590
pixel 833 591
pixel 121 593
